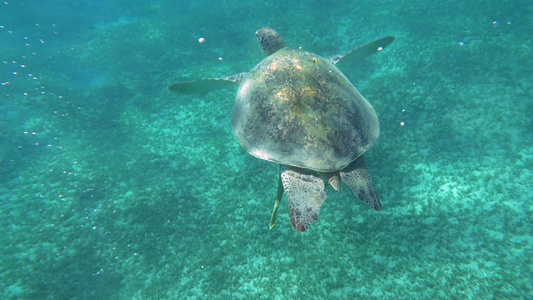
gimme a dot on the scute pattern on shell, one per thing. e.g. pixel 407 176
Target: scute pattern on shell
pixel 296 108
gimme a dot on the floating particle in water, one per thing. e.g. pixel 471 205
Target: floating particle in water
pixel 201 40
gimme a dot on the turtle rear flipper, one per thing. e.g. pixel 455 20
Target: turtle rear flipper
pixel 305 192
pixel 278 199
pixel 204 86
pixel 357 178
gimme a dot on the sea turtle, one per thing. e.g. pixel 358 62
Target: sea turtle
pixel 295 108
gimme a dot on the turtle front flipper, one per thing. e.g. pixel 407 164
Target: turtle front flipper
pixel 358 179
pixel 204 86
pixel 363 51
pixel 305 192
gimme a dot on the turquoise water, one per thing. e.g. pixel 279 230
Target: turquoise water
pixel 113 188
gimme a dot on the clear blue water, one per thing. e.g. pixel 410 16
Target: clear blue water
pixel 113 188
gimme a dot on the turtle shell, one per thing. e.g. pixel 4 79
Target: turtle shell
pixel 296 108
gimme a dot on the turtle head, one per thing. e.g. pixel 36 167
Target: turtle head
pixel 269 40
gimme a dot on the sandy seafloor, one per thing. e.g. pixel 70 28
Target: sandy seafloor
pixel 113 188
